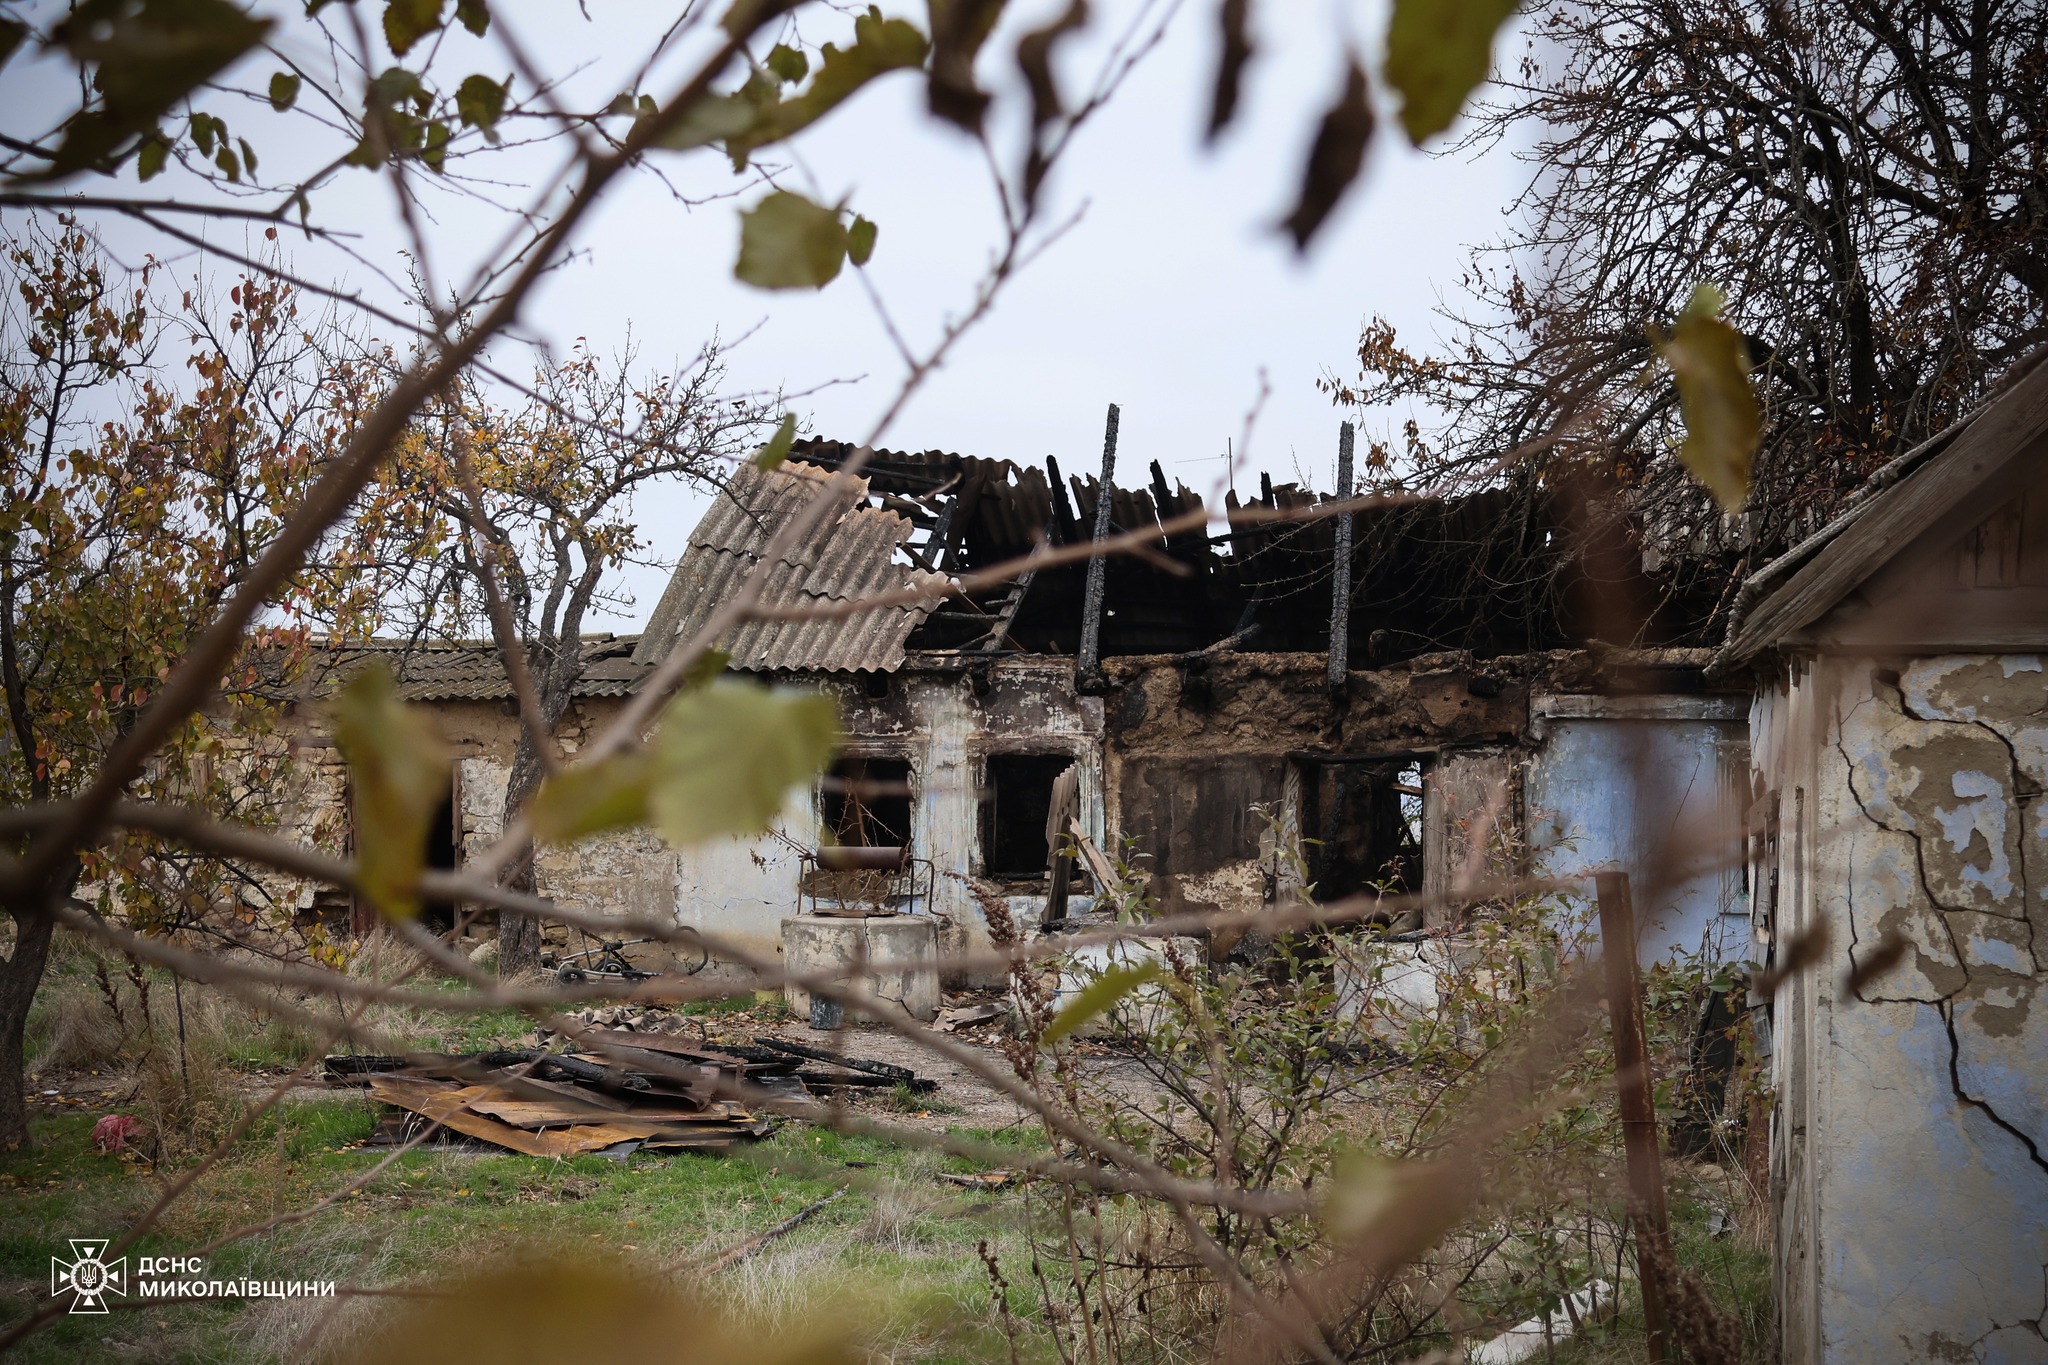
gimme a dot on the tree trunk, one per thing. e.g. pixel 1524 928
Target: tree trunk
pixel 519 934
pixel 19 977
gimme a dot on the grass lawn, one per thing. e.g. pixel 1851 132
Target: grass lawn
pixel 896 1255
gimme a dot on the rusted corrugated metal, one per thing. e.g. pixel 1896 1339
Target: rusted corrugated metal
pixel 851 555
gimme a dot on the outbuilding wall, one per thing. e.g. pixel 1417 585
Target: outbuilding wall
pixel 1902 811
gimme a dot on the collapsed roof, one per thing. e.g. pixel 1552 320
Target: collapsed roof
pixel 1476 572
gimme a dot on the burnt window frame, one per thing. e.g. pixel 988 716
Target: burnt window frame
pixel 829 828
pixel 1388 777
pixel 986 806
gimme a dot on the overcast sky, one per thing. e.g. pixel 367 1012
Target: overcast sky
pixel 1171 296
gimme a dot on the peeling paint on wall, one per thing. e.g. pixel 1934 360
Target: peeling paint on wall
pixel 1913 1206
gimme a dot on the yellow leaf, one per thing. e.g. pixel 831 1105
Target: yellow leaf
pixel 1393 1211
pixel 590 798
pixel 398 777
pixel 570 1311
pixel 1723 424
pixel 1438 51
pixel 1098 997
pixel 611 793
pixel 777 449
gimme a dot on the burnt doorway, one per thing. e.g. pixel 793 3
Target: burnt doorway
pixel 1016 797
pixel 1362 818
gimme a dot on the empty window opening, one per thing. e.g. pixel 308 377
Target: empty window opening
pixel 1015 800
pixel 1365 817
pixel 865 802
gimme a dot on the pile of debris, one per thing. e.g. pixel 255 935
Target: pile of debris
pixel 614 1093
pixel 637 1018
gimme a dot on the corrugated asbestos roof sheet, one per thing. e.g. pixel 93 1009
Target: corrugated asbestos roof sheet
pixel 472 670
pixel 852 555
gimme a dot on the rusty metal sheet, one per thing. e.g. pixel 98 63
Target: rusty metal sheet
pixel 455 1109
pixel 534 1114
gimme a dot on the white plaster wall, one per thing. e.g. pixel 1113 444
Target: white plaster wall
pixel 1912 1115
pixel 1587 811
pixel 743 889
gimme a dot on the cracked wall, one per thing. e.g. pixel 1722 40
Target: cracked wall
pixel 1909 1143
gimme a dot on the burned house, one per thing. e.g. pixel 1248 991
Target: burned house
pixel 1900 840
pixel 1196 688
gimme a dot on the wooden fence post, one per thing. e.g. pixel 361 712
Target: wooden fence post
pixel 1638 1106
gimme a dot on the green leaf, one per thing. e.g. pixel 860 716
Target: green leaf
pixel 480 100
pixel 205 130
pixel 396 86
pixel 705 671
pixel 860 241
pixel 1098 997
pixel 150 158
pixel 398 777
pixel 1723 424
pixel 787 242
pixel 248 155
pixel 435 151
pixel 723 762
pixel 144 59
pixel 473 15
pixel 789 64
pixel 714 119
pixel 590 798
pixel 1438 51
pixel 229 166
pixel 747 15
pixel 777 449
pixel 408 21
pixel 879 46
pixel 728 753
pixel 284 90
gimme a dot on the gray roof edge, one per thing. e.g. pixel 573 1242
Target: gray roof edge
pixel 1750 631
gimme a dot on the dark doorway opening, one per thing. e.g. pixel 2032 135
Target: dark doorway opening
pixel 443 854
pixel 438 917
pixel 866 802
pixel 1015 800
pixel 1365 818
